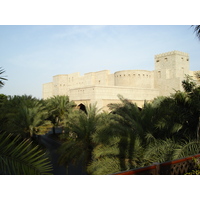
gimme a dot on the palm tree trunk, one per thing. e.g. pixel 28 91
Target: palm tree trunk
pixel 122 155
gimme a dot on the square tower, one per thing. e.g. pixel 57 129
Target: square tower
pixel 170 71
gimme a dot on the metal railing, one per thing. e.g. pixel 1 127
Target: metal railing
pixel 175 167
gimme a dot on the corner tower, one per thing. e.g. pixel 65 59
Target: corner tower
pixel 170 71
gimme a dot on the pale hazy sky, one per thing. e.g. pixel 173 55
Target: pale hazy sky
pixel 32 55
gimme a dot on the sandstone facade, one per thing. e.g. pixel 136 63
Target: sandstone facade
pixel 136 85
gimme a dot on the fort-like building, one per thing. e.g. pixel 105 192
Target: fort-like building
pixel 136 85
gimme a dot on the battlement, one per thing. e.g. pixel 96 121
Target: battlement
pixel 103 87
pixel 172 53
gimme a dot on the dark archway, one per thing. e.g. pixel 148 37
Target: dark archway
pixel 82 107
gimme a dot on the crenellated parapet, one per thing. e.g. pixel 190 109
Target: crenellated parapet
pixel 171 53
pixel 136 85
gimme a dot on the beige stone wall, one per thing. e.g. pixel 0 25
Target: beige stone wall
pixel 117 101
pixel 102 94
pixel 135 85
pixel 83 93
pixel 170 71
pixel 128 92
pixel 134 78
pixel 47 90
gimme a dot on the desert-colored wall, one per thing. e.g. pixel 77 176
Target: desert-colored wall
pixel 47 90
pixel 102 94
pixel 83 93
pixel 134 78
pixel 170 71
pixel 60 83
pixel 135 85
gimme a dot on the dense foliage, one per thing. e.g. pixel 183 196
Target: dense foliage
pixel 124 138
pixel 128 137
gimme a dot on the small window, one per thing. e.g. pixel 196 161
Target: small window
pixel 157 60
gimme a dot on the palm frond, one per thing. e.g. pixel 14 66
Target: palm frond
pixel 187 148
pixel 104 166
pixel 106 150
pixel 161 150
pixel 22 157
pixel 197 30
pixel 2 79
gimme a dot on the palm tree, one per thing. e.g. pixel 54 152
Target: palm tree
pixel 180 113
pixel 123 138
pixel 11 107
pixel 79 146
pixel 107 159
pixel 2 78
pixel 134 121
pixel 197 30
pixel 59 107
pixel 29 119
pixel 24 115
pixel 21 157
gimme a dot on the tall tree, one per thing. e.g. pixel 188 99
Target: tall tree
pixel 123 138
pixel 18 156
pixel 79 146
pixel 59 107
pixel 179 113
pixel 29 119
pixel 24 115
